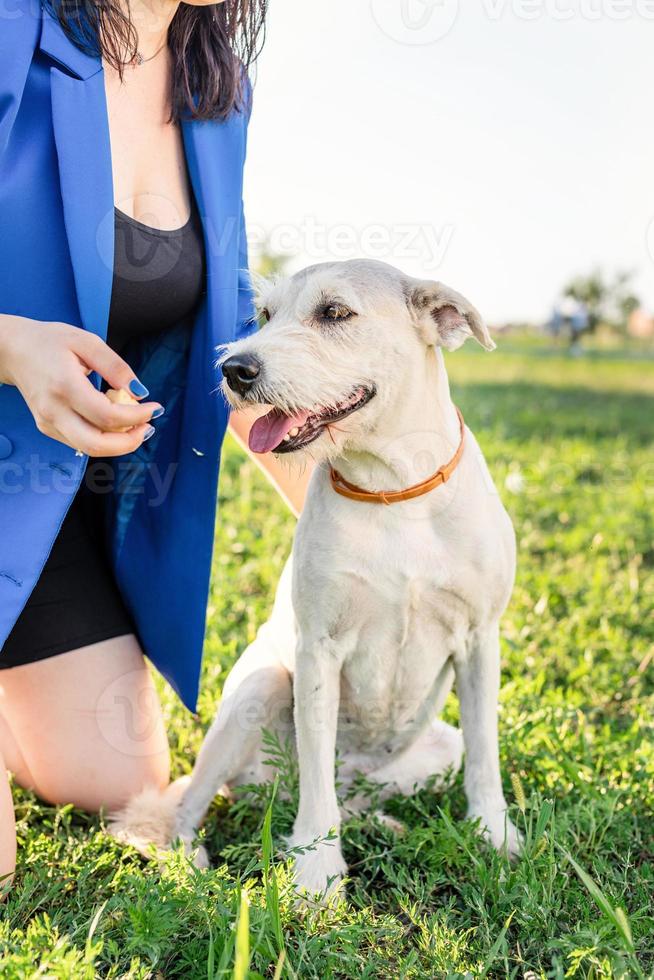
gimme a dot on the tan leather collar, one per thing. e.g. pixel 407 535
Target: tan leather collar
pixel 442 475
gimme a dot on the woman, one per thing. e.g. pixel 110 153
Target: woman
pixel 122 250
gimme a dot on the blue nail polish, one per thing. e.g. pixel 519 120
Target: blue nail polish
pixel 138 390
pixel 149 432
pixel 158 412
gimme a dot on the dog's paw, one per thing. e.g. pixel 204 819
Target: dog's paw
pixel 445 745
pixel 196 853
pixel 500 831
pixel 318 873
pixel 198 856
pixel 390 823
pixel 515 842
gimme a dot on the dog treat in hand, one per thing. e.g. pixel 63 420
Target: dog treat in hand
pixel 119 396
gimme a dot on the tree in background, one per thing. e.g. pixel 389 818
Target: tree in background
pixel 608 302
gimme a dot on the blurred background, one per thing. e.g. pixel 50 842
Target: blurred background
pixel 507 148
pixel 503 147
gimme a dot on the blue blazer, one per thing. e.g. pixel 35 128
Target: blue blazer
pixel 56 263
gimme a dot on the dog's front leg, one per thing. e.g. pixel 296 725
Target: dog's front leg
pixel 256 696
pixel 478 685
pixel 319 865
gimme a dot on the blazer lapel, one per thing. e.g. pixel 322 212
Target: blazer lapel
pixel 81 131
pixel 214 153
pixel 18 40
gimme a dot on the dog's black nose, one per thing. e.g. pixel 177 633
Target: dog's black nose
pixel 241 372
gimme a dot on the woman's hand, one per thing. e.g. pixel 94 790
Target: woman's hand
pixel 49 363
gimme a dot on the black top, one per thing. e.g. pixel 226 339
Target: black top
pixel 158 277
pixel 158 281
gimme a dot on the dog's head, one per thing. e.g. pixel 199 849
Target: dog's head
pixel 338 344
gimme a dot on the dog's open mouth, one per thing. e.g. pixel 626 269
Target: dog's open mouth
pixel 282 433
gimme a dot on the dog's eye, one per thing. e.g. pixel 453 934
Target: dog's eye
pixel 336 311
pixel 264 316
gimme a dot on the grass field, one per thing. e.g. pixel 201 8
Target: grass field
pixel 569 443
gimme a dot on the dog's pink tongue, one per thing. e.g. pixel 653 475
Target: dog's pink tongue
pixel 269 430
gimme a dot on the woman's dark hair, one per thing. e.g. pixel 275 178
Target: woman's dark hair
pixel 212 48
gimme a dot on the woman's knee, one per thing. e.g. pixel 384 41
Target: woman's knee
pixel 89 725
pixel 131 776
pixel 107 786
pixel 153 770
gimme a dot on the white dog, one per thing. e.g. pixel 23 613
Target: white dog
pixel 391 596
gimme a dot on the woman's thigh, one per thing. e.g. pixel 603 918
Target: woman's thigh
pixel 88 724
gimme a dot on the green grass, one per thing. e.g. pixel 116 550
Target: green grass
pixel 569 443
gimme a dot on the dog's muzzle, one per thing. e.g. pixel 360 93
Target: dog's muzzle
pixel 241 372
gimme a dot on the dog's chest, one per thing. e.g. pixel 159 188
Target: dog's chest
pixel 396 648
pixel 392 604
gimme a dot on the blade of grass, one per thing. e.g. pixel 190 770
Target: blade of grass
pixel 211 955
pixel 279 966
pixel 242 953
pixel 616 916
pixel 269 873
pixel 495 948
pixel 94 926
pixel 544 816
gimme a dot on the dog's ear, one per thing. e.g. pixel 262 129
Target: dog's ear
pixel 444 317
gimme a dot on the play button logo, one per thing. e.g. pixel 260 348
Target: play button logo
pixel 415 22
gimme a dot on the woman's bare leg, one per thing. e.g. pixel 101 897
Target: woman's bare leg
pixel 12 756
pixel 7 830
pixel 85 726
pixel 11 760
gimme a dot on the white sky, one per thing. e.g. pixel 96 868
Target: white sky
pixel 503 157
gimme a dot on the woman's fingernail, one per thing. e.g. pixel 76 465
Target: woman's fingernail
pixel 158 412
pixel 149 432
pixel 138 390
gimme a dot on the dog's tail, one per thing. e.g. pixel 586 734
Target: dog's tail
pixel 148 820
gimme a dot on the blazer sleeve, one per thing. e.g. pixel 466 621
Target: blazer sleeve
pixel 246 323
pixel 19 37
